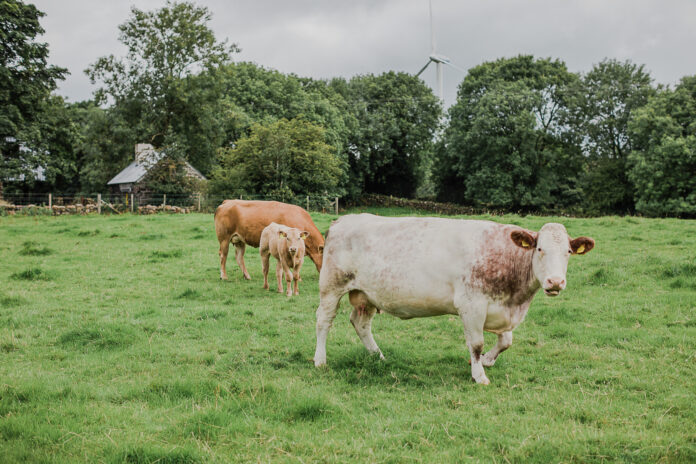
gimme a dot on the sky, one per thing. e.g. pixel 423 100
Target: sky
pixel 330 38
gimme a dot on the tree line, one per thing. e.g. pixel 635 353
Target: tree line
pixel 525 134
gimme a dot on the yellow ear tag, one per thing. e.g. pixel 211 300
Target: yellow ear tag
pixel 303 237
pixel 580 249
pixel 525 244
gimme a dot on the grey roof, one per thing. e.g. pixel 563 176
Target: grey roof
pixel 135 171
pixel 131 174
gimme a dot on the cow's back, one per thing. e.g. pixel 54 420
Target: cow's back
pixel 408 266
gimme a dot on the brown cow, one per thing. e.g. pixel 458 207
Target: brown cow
pixel 242 221
pixel 285 244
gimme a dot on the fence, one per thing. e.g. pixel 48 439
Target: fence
pixel 142 203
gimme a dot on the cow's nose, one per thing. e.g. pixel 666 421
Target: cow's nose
pixel 293 250
pixel 554 283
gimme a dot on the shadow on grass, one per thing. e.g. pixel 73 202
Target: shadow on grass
pixel 151 237
pixel 89 233
pixel 31 249
pixel 105 337
pixel 165 254
pixel 8 301
pixel 154 454
pixel 33 273
pixel 359 367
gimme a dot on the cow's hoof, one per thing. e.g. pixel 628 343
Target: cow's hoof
pixel 319 362
pixel 482 380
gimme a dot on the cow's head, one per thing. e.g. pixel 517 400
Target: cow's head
pixel 551 248
pixel 295 240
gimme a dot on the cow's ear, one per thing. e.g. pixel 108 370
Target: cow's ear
pixel 581 245
pixel 282 234
pixel 523 239
pixel 304 234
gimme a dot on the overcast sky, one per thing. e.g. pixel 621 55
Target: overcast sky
pixel 323 39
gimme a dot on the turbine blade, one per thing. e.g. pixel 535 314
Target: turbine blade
pixel 449 63
pixel 423 68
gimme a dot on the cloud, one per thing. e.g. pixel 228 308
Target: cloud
pixel 339 38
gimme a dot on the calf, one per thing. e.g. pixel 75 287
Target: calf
pixel 484 272
pixel 287 245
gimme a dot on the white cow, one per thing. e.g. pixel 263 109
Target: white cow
pixel 485 272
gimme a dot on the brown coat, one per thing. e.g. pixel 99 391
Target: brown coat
pixel 241 222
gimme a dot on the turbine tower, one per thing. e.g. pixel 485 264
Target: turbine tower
pixel 436 58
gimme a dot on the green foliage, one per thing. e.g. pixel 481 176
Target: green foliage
pixel 26 81
pixel 663 162
pixel 106 144
pixel 506 145
pixel 171 175
pixel 280 159
pixel 390 144
pixel 601 110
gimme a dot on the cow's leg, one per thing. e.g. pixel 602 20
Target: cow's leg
pixel 239 254
pixel 361 318
pixel 279 276
pixel 504 342
pixel 288 279
pixel 326 312
pixel 296 281
pixel 224 249
pixel 265 264
pixel 473 311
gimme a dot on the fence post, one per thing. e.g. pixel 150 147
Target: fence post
pixel 307 202
pixel 132 205
pixel 199 202
pixel 337 205
pixel 50 201
pixel 98 203
pixel 164 200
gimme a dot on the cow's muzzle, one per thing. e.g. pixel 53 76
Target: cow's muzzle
pixel 553 286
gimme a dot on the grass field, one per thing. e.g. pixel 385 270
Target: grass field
pixel 119 343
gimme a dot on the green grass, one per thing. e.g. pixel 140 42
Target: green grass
pixel 120 344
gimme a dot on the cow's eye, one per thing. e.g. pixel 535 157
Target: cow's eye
pixel 538 249
pixel 570 251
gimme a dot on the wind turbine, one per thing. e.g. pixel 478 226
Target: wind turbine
pixel 436 58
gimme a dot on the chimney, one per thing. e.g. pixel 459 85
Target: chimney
pixel 142 152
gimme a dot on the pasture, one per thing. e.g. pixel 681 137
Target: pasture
pixel 119 343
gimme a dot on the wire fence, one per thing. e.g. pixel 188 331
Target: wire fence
pixel 143 203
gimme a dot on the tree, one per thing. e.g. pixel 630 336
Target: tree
pixel 281 159
pixel 609 94
pixel 170 174
pixel 60 142
pixel 390 143
pixel 506 145
pixel 106 145
pixel 226 102
pixel 164 47
pixel 26 81
pixel 662 165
